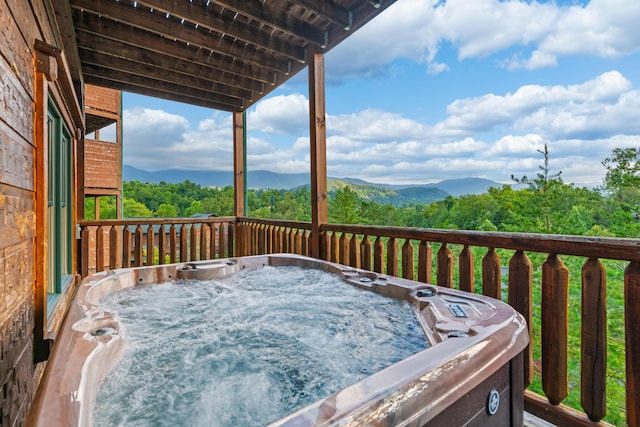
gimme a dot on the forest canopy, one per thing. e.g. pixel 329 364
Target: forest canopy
pixel 544 204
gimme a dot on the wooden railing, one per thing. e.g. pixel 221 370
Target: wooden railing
pixel 392 250
pixel 535 271
pixel 111 244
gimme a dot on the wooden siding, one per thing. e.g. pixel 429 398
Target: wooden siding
pixel 102 166
pixel 22 22
pixel 101 99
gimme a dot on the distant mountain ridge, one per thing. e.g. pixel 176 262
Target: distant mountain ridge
pixel 386 193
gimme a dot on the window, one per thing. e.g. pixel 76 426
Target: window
pixel 59 206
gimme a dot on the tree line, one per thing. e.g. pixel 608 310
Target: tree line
pixel 545 204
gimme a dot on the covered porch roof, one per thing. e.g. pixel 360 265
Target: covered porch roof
pixel 220 54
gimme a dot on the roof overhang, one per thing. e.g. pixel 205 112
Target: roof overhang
pixel 220 54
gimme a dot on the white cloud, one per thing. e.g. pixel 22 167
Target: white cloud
pixel 492 136
pixel 540 33
pixel 283 114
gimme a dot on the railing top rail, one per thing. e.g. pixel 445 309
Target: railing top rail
pixel 301 225
pixel 154 221
pixel 586 246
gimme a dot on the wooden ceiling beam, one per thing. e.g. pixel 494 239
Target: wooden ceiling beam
pixel 330 10
pixel 137 55
pixel 276 18
pixel 93 30
pixel 163 73
pixel 172 30
pixel 107 72
pixel 207 18
pixel 99 80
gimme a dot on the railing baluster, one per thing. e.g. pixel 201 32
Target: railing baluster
pixel 378 255
pixel 214 241
pixel 204 233
pixel 151 245
pixel 173 243
pixel 230 240
pixel 114 247
pixel 425 254
pixel 491 279
pixel 262 233
pixel 325 245
pixel 184 240
pixel 84 251
pixel 555 299
pixel 344 249
pixel 162 243
pixel 354 251
pixel 99 249
pixel 335 247
pixel 632 340
pixel 298 242
pixel 520 290
pixel 366 253
pixel 279 240
pixel 444 273
pixel 392 257
pixel 407 260
pixel 193 243
pixel 137 250
pixel 466 270
pixel 126 247
pixel 594 339
pixel 305 242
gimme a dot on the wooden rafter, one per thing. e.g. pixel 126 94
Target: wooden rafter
pixel 224 54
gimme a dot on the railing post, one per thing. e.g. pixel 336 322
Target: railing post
pixel 632 340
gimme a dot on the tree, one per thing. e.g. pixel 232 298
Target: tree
pixel 344 208
pixel 543 184
pixel 166 211
pixel 134 209
pixel 622 178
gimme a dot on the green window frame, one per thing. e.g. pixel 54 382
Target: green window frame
pixel 59 209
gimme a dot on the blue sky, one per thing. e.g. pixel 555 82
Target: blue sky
pixel 433 90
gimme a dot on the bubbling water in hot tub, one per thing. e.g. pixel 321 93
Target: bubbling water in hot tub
pixel 249 348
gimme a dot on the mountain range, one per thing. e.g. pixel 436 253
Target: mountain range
pixel 387 193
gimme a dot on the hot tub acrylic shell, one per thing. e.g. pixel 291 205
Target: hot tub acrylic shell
pixel 472 373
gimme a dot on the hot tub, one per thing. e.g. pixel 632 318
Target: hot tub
pixel 471 374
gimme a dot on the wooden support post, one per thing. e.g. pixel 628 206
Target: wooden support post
pixel 318 147
pixel 238 163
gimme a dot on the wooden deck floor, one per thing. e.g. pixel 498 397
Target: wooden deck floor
pixel 533 421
